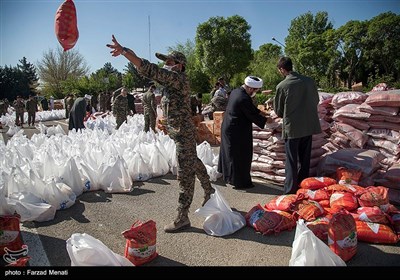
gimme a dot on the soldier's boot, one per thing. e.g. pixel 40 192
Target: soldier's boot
pixel 181 222
pixel 207 194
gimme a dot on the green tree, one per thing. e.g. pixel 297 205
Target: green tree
pixel 105 79
pixel 134 79
pixel 381 46
pixel 264 65
pixel 29 81
pixel 349 37
pixel 199 81
pixel 19 80
pixel 307 46
pixel 57 66
pixel 223 46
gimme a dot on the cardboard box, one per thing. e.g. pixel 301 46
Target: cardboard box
pixel 205 132
pixel 218 117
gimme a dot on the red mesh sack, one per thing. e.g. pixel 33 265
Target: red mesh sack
pixel 344 200
pixel 314 183
pixel 269 223
pixel 396 224
pixel 317 195
pixel 342 235
pixel 141 239
pixel 345 188
pixel 371 215
pixel 320 227
pixel 283 202
pixel 308 210
pixel 374 196
pixel 10 234
pixel 325 203
pixel 288 221
pixel 348 176
pixel 253 217
pixel 66 26
pixel 375 233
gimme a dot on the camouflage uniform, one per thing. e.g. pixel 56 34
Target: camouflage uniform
pixel 164 103
pixel 193 104
pixel 6 104
pixel 108 101
pixel 131 104
pixel 150 110
pixel 19 107
pixel 31 107
pixel 182 130
pixel 120 109
pixel 103 101
pixel 2 106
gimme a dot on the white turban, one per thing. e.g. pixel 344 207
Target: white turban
pixel 87 96
pixel 253 82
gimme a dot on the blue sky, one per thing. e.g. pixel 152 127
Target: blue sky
pixel 27 27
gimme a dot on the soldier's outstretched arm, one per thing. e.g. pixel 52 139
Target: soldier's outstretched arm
pixel 117 49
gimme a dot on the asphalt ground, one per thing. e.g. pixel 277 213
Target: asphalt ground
pixel 105 216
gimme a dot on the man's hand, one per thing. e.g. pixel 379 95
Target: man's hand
pixel 116 47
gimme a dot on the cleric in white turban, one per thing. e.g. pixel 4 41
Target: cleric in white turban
pixel 253 82
pixel 236 150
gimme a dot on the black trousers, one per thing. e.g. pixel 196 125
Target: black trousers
pixel 297 166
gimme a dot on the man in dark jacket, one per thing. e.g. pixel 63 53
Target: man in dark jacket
pixel 296 102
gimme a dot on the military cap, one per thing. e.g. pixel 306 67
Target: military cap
pixel 178 57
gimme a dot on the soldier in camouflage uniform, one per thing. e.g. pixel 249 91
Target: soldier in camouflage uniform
pixel 2 106
pixel 120 107
pixel 19 107
pixel 6 104
pixel 164 102
pixel 150 109
pixel 179 124
pixel 102 102
pixel 31 107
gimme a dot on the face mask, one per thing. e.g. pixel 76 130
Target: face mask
pixel 168 67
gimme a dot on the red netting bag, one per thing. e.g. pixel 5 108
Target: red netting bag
pixel 371 215
pixel 314 183
pixel 374 196
pixel 283 202
pixel 348 176
pixel 342 235
pixel 253 217
pixel 66 26
pixel 376 233
pixel 344 200
pixel 10 234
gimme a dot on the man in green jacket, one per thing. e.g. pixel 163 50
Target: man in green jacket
pixel 296 102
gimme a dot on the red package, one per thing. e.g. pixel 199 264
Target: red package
pixel 10 234
pixel 342 235
pixel 66 26
pixel 141 242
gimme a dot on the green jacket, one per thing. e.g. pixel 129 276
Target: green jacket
pixel 296 102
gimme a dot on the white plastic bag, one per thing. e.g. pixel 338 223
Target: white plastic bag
pixel 309 250
pixel 85 250
pixel 220 219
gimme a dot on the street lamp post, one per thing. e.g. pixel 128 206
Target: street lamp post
pixel 273 39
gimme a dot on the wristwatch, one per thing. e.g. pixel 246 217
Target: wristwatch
pixel 124 51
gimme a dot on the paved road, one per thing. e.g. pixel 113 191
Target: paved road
pixel 104 216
